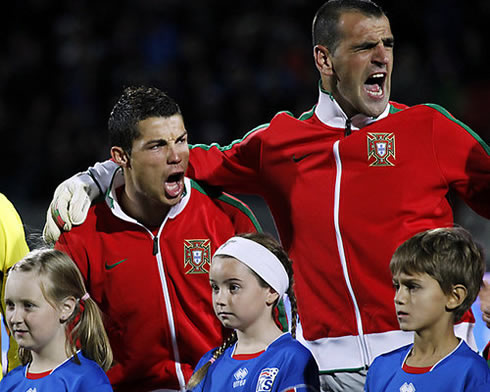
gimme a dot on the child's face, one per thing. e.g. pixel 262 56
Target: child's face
pixel 33 321
pixel 238 300
pixel 420 303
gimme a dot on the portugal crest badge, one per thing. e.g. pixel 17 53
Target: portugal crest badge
pixel 197 256
pixel 381 149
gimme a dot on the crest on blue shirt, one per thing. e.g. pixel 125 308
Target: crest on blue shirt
pixel 266 379
pixel 381 148
pixel 197 256
pixel 407 388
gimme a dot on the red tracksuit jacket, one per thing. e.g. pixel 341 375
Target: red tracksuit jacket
pixel 343 197
pixel 153 286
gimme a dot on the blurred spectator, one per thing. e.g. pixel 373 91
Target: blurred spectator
pixel 231 65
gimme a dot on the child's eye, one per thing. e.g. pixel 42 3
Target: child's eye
pixel 28 305
pixel 396 286
pixel 214 287
pixel 10 305
pixel 234 288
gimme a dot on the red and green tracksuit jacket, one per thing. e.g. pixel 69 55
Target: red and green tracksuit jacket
pixel 344 194
pixel 152 285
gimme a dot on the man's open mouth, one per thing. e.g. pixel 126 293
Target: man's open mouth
pixel 374 84
pixel 174 186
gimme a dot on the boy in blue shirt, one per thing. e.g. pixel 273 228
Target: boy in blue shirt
pixel 437 275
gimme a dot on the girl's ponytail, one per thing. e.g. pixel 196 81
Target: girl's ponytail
pixel 86 331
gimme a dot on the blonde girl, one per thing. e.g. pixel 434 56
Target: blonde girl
pixel 249 275
pixel 58 327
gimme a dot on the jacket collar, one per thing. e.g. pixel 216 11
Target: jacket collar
pixel 113 203
pixel 330 113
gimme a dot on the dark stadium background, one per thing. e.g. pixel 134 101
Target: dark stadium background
pixel 230 64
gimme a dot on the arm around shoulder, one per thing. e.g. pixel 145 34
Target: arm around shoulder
pixel 73 197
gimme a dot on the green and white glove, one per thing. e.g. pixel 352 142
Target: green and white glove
pixel 70 205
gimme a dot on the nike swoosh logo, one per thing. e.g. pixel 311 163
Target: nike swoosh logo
pixel 296 160
pixel 111 266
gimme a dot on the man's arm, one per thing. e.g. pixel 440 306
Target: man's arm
pixel 73 197
pixel 464 161
pixel 234 168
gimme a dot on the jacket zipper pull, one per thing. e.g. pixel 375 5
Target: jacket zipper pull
pixel 348 130
pixel 155 245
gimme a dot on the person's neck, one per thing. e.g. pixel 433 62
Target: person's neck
pixel 43 362
pixel 145 211
pixel 257 337
pixel 430 347
pixel 344 105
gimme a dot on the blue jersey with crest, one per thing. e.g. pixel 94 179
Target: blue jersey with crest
pixel 461 370
pixel 286 365
pixel 69 376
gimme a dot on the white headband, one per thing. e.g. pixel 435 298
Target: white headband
pixel 259 259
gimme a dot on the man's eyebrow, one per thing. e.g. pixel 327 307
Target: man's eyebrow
pixel 182 135
pixel 390 41
pixel 165 141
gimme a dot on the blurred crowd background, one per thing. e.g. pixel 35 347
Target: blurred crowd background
pixel 231 65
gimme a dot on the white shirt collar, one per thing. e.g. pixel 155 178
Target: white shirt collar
pixel 113 203
pixel 330 113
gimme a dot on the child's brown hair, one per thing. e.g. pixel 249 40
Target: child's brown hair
pixel 273 246
pixel 449 255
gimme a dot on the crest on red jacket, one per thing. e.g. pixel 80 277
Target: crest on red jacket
pixel 381 148
pixel 197 256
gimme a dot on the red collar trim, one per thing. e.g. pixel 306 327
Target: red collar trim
pixel 244 357
pixel 37 376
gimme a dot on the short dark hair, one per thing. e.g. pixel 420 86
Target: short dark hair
pixel 449 255
pixel 137 104
pixel 325 28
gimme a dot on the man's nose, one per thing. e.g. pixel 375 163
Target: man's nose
pixel 381 55
pixel 174 154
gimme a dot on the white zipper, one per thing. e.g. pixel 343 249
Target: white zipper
pixel 174 211
pixel 168 307
pixel 340 246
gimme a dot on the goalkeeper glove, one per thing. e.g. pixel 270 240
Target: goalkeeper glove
pixel 70 205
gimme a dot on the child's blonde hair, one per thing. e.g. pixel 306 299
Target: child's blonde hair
pixel 273 246
pixel 60 279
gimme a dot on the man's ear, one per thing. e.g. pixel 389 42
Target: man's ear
pixel 456 296
pixel 323 60
pixel 120 156
pixel 67 307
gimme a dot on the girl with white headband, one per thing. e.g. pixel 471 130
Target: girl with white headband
pixel 62 342
pixel 249 275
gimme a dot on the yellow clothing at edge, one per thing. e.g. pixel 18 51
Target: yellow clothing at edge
pixel 13 247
